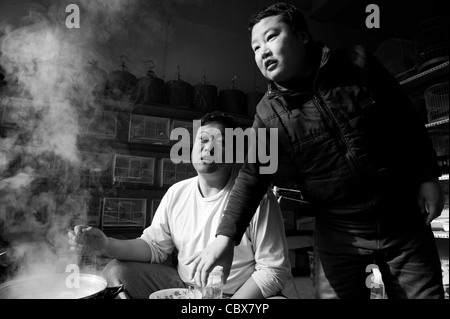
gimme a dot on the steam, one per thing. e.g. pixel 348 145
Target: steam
pixel 49 95
pixel 46 104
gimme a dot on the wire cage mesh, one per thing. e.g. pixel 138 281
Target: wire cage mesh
pixel 436 100
pixel 439 139
pixel 124 212
pixel 170 173
pixel 432 42
pixel 149 129
pixel 133 169
pixel 398 56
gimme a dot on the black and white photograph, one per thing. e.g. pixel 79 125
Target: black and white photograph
pixel 260 153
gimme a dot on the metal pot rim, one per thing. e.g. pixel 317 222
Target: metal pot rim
pixel 83 276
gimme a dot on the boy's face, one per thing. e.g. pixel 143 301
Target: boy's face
pixel 208 148
pixel 279 52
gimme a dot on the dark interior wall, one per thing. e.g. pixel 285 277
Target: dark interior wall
pixel 202 37
pixel 209 37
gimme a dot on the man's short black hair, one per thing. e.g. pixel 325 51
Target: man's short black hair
pixel 220 117
pixel 290 14
pixel 228 122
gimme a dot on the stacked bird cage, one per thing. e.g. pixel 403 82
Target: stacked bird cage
pixel 432 42
pixel 124 212
pixel 439 138
pixel 398 56
pixel 436 100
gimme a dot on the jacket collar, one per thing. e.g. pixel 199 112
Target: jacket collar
pixel 275 90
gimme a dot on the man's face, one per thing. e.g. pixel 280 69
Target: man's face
pixel 208 148
pixel 279 52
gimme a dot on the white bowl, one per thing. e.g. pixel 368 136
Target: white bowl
pixel 173 293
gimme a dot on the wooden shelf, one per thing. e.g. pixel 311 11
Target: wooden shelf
pixel 158 110
pixel 123 232
pixel 437 123
pixel 161 110
pixel 90 143
pixel 420 81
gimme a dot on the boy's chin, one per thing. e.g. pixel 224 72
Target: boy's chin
pixel 278 78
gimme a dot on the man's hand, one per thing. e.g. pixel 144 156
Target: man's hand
pixel 431 199
pixel 219 252
pixel 87 240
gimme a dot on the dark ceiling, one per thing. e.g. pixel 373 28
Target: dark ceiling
pixel 398 18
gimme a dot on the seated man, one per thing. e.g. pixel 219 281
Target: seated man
pixel 186 220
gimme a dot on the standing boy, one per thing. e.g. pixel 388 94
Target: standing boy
pixel 364 160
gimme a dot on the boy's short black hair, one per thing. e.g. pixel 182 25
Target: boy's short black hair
pixel 290 14
pixel 220 117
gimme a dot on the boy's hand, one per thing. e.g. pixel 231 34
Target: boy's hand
pixel 219 252
pixel 431 199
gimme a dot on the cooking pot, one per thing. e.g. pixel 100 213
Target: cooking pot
pixel 56 287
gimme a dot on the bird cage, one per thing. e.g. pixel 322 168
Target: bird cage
pixel 439 139
pixel 432 42
pixel 436 100
pixel 149 129
pixel 124 212
pixel 170 173
pixel 133 169
pixel 398 56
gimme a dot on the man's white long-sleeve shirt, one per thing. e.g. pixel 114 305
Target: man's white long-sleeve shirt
pixel 187 221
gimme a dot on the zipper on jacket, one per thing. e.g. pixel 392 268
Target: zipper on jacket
pixel 333 124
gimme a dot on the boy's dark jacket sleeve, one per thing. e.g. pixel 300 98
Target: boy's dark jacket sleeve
pixel 249 188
